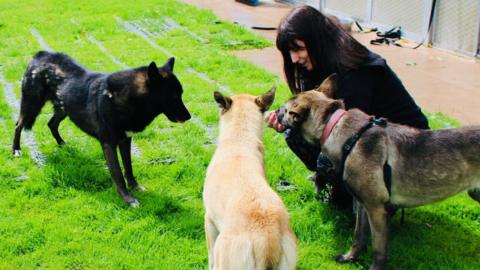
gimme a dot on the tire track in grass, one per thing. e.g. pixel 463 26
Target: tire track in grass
pixel 144 35
pixel 205 77
pixel 29 136
pixel 101 47
pixel 40 40
pixel 172 23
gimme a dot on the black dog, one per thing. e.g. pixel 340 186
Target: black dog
pixel 105 106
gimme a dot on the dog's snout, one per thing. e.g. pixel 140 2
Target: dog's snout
pixel 280 112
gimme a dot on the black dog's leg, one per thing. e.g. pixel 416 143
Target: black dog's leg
pixel 54 122
pixel 34 96
pixel 110 152
pixel 475 194
pixel 125 152
pixel 360 237
pixel 16 140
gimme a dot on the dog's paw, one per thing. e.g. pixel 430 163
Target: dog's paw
pixel 134 203
pixel 343 259
pixel 140 188
pixel 17 153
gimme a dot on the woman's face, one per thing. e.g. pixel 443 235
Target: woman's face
pixel 299 55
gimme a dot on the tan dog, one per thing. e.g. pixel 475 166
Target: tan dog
pixel 390 165
pixel 246 222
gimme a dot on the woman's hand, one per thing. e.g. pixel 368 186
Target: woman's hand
pixel 272 121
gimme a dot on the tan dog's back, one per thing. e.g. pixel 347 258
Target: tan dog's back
pixel 246 223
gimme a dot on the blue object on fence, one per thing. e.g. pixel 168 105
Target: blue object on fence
pixel 249 2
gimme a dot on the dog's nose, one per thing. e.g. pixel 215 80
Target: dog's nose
pixel 280 112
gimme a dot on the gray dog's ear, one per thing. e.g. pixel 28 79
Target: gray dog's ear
pixel 223 102
pixel 265 101
pixel 329 86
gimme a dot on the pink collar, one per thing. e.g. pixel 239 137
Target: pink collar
pixel 331 124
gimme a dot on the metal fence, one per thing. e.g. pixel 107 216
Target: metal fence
pixel 455 26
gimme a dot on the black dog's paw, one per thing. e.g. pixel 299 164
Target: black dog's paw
pixel 343 259
pixel 134 203
pixel 17 153
pixel 140 188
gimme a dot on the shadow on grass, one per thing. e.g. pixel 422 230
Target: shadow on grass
pixel 68 166
pixel 425 241
pixel 180 215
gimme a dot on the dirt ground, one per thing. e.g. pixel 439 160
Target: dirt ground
pixel 439 80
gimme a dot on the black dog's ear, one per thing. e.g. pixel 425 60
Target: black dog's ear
pixel 328 86
pixel 265 101
pixel 223 102
pixel 168 66
pixel 152 73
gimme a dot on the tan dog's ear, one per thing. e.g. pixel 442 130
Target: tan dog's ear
pixel 223 102
pixel 331 108
pixel 328 86
pixel 265 101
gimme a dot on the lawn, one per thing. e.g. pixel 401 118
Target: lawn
pixel 59 208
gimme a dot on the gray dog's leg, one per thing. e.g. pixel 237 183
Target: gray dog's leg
pixel 360 237
pixel 377 216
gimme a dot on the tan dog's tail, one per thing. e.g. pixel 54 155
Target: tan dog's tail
pixel 255 251
pixel 288 258
pixel 233 252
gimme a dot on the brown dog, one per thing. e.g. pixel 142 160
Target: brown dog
pixel 246 222
pixel 390 165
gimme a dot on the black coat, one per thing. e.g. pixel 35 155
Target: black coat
pixel 375 89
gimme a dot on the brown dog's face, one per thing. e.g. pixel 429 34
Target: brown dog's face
pixel 309 111
pixel 294 112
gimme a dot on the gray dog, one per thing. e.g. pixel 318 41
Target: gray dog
pixel 384 165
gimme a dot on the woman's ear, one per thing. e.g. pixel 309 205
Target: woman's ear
pixel 223 102
pixel 265 101
pixel 328 86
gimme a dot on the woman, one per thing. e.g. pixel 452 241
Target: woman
pixel 314 46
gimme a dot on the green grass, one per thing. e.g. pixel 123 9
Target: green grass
pixel 67 215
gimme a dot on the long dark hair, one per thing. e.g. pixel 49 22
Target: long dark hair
pixel 330 48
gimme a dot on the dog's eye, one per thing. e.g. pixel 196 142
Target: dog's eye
pixel 295 116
